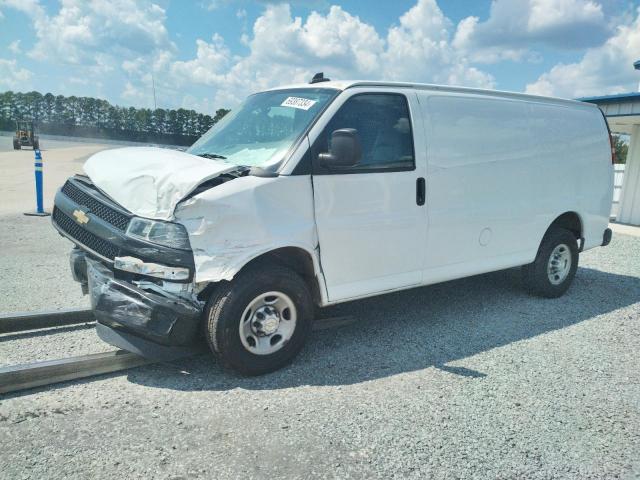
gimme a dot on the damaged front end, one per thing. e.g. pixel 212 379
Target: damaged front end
pixel 142 293
pixel 138 320
pixel 154 229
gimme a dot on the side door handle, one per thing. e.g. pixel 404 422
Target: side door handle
pixel 421 191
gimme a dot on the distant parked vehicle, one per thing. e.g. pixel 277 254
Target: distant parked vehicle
pixel 25 135
pixel 312 195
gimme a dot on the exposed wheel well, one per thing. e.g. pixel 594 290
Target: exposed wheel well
pixel 569 220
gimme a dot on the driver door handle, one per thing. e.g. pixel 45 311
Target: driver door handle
pixel 421 191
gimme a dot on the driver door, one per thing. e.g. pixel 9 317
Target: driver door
pixel 371 217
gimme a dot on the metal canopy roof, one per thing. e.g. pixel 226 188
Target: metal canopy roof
pixel 622 110
pixel 619 97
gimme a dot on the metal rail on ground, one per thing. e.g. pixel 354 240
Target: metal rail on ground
pixel 15 378
pixel 21 377
pixel 20 322
pixel 23 321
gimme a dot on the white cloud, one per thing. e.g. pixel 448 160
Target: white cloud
pixel 86 33
pixel 136 95
pixel 212 5
pixel 211 58
pixel 286 49
pixel 419 49
pixel 339 36
pixel 119 38
pixel 514 26
pixel 602 70
pixel 30 7
pixel 122 28
pixel 14 47
pixel 549 15
pixel 13 77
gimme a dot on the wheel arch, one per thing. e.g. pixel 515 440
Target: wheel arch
pixel 569 220
pixel 298 259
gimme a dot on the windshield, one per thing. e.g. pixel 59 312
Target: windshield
pixel 263 129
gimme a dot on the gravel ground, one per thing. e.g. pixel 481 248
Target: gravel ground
pixel 467 379
pixel 35 266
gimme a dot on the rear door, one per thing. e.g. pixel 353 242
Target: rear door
pixel 370 218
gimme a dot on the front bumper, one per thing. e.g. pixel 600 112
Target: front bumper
pixel 134 319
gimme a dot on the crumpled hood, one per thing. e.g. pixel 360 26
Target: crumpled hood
pixel 150 181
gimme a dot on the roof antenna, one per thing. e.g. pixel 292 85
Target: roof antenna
pixel 319 77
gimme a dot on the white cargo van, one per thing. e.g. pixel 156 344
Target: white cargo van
pixel 311 195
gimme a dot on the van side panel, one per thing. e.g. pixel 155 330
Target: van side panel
pixel 500 170
pixel 575 171
pixel 479 196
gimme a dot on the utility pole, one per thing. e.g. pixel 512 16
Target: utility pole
pixel 153 84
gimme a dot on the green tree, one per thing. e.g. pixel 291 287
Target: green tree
pixel 621 146
pixel 221 112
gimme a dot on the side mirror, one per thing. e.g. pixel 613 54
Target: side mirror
pixel 345 149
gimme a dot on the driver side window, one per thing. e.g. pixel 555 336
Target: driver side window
pixel 383 126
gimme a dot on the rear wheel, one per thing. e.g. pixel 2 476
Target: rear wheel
pixel 36 145
pixel 16 145
pixel 555 266
pixel 259 322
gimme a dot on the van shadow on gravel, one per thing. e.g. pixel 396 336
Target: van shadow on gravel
pixel 415 329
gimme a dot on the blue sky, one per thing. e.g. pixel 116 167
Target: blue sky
pixel 208 54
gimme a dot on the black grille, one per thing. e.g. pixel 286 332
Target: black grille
pixel 85 237
pixel 99 209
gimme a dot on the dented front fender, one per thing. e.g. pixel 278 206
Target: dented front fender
pixel 235 222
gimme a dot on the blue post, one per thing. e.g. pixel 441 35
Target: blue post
pixel 39 203
pixel 38 165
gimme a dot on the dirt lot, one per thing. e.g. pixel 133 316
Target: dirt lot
pixel 468 379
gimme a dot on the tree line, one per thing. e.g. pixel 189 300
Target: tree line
pixel 93 117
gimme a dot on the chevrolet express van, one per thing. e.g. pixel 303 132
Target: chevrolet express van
pixel 311 195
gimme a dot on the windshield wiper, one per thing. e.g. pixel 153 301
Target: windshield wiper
pixel 212 156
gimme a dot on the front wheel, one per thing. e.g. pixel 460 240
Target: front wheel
pixel 259 322
pixel 555 266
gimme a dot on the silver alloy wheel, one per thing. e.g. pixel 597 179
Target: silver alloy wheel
pixel 268 323
pixel 559 264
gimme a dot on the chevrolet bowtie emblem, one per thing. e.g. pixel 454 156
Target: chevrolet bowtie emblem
pixel 80 217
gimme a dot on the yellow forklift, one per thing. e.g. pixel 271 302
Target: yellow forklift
pixel 25 135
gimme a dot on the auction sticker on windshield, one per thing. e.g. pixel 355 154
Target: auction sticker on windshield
pixel 298 102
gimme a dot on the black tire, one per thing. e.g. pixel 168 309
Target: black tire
pixel 16 145
pixel 535 275
pixel 227 304
pixel 36 145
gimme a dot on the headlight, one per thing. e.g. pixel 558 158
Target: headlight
pixel 163 233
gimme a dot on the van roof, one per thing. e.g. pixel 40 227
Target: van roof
pixel 346 84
